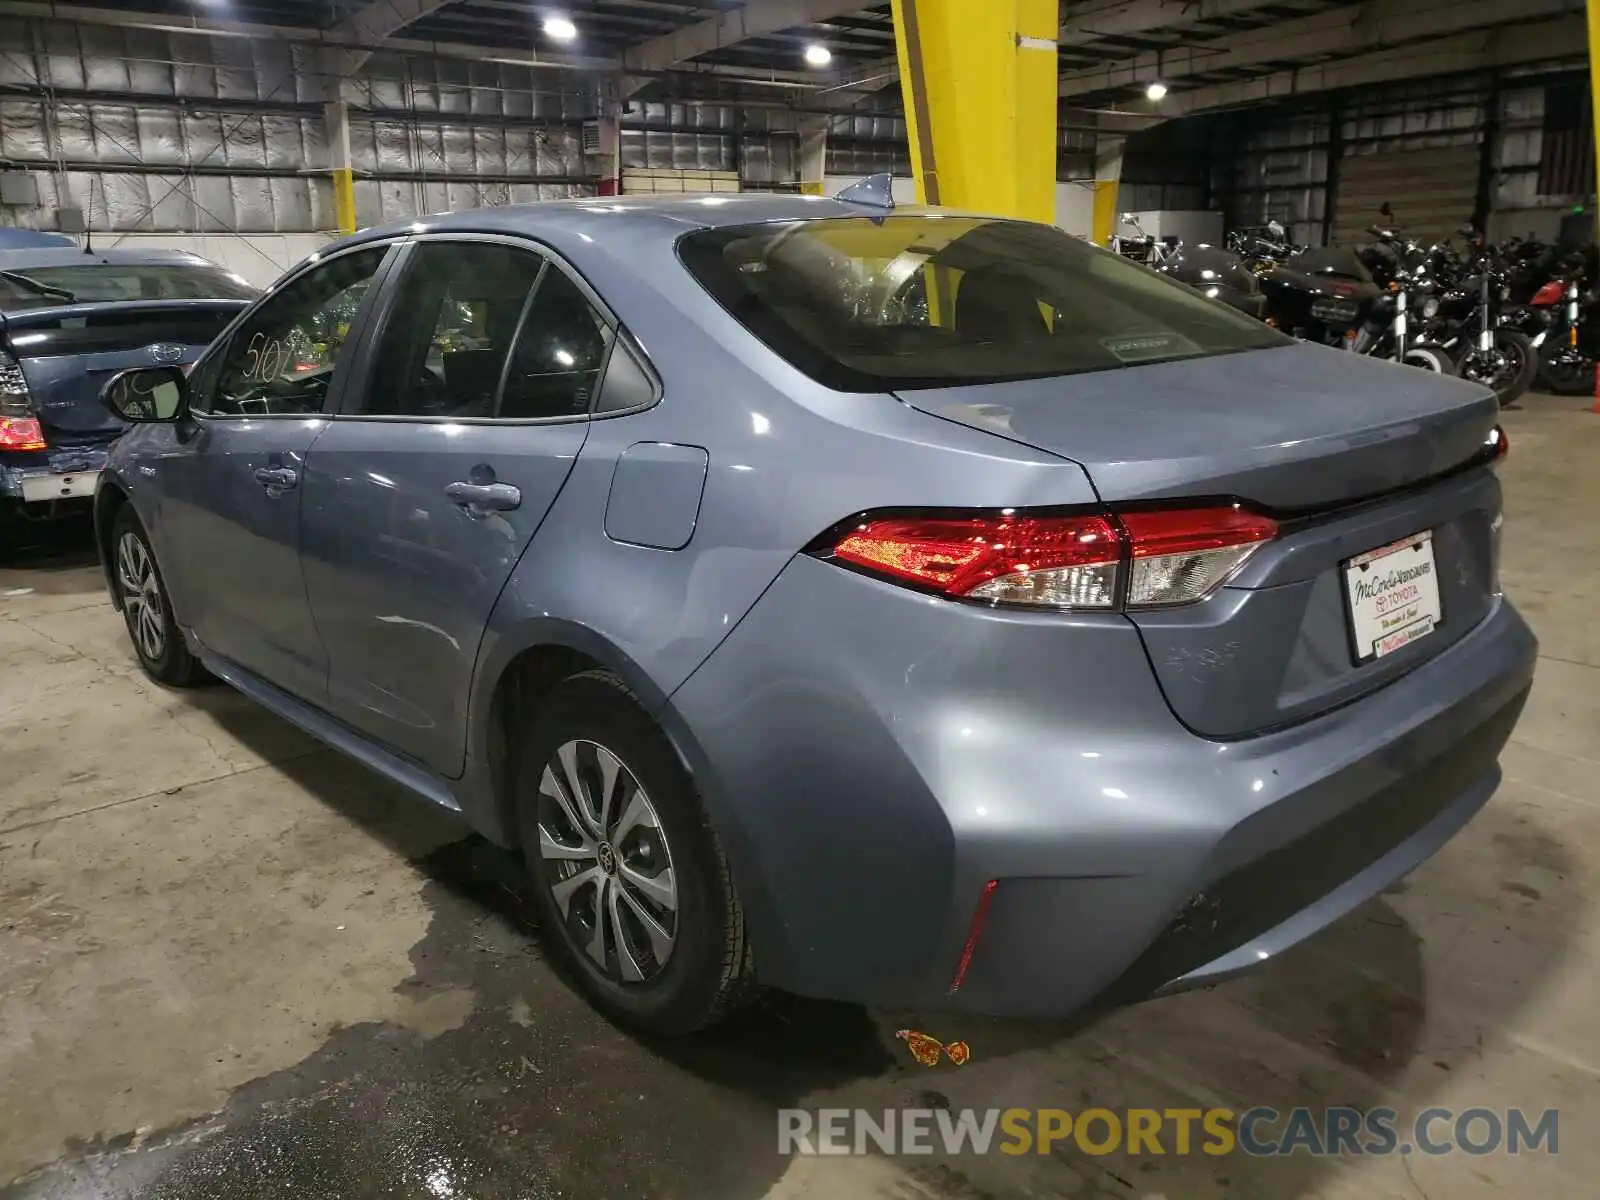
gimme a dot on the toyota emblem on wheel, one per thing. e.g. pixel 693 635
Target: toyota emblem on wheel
pixel 166 352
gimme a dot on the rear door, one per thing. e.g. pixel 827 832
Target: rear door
pixel 425 490
pixel 232 479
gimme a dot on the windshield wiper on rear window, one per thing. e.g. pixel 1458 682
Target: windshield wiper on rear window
pixel 42 289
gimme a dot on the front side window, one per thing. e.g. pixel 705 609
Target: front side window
pixel 875 304
pixel 283 357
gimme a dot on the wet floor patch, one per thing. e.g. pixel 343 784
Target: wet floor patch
pixel 531 1096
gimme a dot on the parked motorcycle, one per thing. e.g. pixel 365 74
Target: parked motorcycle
pixel 1217 274
pixel 1328 295
pixel 1473 323
pixel 1571 350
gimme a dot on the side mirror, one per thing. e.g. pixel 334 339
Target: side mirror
pixel 1385 209
pixel 147 394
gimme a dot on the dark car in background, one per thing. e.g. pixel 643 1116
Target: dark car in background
pixel 69 320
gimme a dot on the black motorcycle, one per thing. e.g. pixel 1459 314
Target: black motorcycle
pixel 1473 321
pixel 1218 275
pixel 1328 295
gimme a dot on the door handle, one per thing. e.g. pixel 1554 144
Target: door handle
pixel 277 478
pixel 480 499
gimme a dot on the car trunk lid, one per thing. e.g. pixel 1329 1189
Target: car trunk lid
pixel 68 352
pixel 1351 454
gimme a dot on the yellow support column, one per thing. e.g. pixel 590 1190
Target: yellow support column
pixel 1594 104
pixel 980 85
pixel 1107 182
pixel 336 120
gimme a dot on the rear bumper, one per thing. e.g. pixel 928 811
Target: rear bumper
pixel 872 758
pixel 61 477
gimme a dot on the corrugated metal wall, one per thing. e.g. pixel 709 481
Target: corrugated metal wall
pixel 1420 148
pixel 1272 168
pixel 1431 192
pixel 172 131
pixel 1325 165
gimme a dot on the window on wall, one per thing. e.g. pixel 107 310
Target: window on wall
pixel 1566 147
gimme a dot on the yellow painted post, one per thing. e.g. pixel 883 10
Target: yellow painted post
pixel 813 157
pixel 1594 91
pixel 336 120
pixel 1107 182
pixel 980 86
pixel 344 199
pixel 1105 211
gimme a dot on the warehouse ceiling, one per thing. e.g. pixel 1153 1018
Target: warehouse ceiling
pixel 1209 54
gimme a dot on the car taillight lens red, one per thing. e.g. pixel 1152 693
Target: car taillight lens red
pixel 21 433
pixel 1066 561
pixel 1097 560
pixel 19 424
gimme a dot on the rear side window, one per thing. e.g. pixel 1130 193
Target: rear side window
pixel 559 353
pixel 876 304
pixel 483 330
pixel 449 330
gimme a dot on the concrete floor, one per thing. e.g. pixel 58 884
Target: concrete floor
pixel 233 965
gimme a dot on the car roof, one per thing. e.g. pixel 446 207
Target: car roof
pixel 667 217
pixel 71 256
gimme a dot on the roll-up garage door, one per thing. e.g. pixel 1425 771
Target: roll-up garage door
pixel 1432 192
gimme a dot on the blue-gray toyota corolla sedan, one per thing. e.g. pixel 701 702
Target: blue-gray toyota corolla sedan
pixel 899 606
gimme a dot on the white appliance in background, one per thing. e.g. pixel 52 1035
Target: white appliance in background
pixel 1193 227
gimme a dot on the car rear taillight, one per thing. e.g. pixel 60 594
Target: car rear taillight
pixel 1183 555
pixel 19 424
pixel 1498 445
pixel 1094 560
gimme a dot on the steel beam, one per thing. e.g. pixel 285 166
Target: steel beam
pixel 1344 31
pixel 1480 50
pixel 375 24
pixel 756 19
pixel 1120 18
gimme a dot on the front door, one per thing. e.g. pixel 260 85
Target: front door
pixel 234 475
pixel 424 492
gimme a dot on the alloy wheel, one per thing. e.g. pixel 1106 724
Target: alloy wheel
pixel 609 866
pixel 141 596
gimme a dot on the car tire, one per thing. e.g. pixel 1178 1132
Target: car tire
pixel 629 808
pixel 1428 357
pixel 146 608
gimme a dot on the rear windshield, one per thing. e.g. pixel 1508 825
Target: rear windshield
pixel 874 304
pixel 94 283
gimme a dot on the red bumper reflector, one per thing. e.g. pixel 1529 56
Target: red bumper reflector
pixel 974 932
